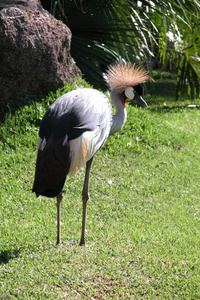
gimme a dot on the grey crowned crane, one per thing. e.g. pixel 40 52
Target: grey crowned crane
pixel 76 126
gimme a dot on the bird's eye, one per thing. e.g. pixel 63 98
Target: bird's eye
pixel 129 92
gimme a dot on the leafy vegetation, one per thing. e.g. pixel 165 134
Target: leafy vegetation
pixel 143 215
pixel 156 34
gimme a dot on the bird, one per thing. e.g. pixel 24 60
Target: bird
pixel 76 126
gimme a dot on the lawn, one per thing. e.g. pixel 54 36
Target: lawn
pixel 142 239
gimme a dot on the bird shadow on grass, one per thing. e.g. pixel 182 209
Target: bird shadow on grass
pixel 7 255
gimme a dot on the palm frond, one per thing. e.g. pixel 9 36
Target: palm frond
pixel 189 66
pixel 137 31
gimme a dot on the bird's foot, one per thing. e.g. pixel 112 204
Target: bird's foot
pixel 58 243
pixel 82 242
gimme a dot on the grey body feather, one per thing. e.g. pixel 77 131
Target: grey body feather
pixel 77 112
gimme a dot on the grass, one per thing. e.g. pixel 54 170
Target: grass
pixel 142 238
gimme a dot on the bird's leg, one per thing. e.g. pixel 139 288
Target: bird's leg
pixel 59 200
pixel 85 197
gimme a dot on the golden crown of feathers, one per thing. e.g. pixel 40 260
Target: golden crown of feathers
pixel 122 75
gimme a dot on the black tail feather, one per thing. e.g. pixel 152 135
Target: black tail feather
pixel 52 167
pixel 51 192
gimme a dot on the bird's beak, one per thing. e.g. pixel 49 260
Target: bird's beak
pixel 140 101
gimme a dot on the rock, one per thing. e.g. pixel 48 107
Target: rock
pixel 34 52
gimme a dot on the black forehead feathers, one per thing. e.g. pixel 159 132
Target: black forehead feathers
pixel 139 88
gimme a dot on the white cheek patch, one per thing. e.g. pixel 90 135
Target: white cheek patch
pixel 129 92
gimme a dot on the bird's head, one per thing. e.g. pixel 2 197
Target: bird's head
pixel 135 93
pixel 126 80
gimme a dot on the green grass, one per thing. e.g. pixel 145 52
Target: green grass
pixel 142 239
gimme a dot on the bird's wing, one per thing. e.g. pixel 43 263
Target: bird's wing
pixel 72 130
pixel 76 112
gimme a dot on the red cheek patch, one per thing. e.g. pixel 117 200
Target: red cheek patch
pixel 123 101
